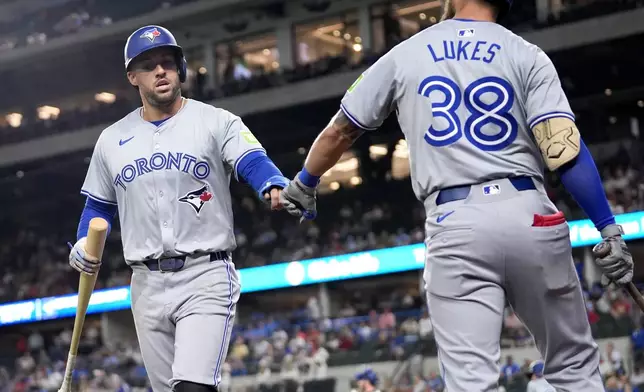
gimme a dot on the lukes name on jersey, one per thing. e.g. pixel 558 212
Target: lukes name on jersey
pixel 462 50
pixel 159 161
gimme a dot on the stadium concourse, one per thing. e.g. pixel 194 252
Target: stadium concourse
pixel 309 336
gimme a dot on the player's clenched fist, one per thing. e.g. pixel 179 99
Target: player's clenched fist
pixel 612 255
pixel 81 261
pixel 271 191
pixel 299 199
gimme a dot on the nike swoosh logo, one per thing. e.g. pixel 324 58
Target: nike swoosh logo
pixel 122 142
pixel 443 217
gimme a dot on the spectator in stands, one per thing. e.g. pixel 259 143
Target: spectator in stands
pixel 637 342
pixel 614 356
pixel 425 328
pixel 510 369
pixel 240 349
pixel 615 384
pixel 387 320
pixel 435 382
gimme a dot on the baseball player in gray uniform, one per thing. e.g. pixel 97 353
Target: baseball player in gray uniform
pixel 167 166
pixel 483 113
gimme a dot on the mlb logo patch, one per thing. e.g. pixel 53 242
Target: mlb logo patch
pixel 491 189
pixel 464 33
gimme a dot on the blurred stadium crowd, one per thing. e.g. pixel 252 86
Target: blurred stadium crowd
pixel 298 344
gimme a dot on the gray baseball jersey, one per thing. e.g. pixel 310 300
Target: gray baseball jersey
pixel 466 95
pixel 171 183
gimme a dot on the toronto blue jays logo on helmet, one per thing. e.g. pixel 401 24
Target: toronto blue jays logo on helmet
pixel 151 34
pixel 197 198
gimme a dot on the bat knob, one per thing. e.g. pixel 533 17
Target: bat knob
pixel 601 250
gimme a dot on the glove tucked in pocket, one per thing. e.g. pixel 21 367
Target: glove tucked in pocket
pixel 548 220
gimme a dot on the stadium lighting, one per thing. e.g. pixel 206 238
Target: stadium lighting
pixel 334 186
pixel 422 16
pixel 336 33
pixel 347 166
pixel 105 97
pixel 14 119
pixel 266 52
pixel 47 112
pixel 358 40
pixel 202 70
pixel 378 150
pixel 355 180
pixel 640 104
pixel 608 92
pixel 401 150
pixel 357 47
pixel 347 36
pixel 275 65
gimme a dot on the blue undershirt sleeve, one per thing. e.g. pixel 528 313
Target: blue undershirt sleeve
pixel 95 209
pixel 260 172
pixel 581 179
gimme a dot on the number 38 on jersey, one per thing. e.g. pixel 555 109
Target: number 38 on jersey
pixel 488 101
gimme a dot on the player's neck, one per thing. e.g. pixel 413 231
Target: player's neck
pixel 158 113
pixel 478 12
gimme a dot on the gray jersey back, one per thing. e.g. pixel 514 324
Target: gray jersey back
pixel 172 182
pixel 466 95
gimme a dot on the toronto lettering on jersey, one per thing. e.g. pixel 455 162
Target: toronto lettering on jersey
pixel 159 161
pixel 465 50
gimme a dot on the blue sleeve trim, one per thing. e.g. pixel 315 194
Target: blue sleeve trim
pixel 260 172
pixel 581 179
pixel 95 209
pixel 355 121
pixel 536 120
pixel 242 156
pixel 96 198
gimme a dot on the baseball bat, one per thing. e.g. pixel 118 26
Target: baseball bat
pixel 96 236
pixel 602 249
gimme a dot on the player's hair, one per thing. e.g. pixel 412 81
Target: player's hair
pixel 448 9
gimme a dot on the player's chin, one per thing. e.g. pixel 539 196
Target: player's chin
pixel 165 95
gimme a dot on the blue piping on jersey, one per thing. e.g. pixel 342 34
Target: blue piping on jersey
pixel 94 197
pixel 537 119
pixel 159 122
pixel 95 209
pixel 470 20
pixel 355 121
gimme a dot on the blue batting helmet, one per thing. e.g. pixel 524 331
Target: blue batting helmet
pixel 150 37
pixel 536 368
pixel 368 375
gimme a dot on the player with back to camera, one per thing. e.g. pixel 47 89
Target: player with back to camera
pixel 167 167
pixel 483 113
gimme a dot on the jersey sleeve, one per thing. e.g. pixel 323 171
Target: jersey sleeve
pixel 370 99
pixel 98 183
pixel 236 141
pixel 545 96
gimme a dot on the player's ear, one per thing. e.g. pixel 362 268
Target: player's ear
pixel 131 77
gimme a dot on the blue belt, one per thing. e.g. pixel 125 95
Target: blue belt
pixel 462 192
pixel 174 264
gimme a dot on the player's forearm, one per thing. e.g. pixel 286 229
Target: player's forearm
pixel 581 179
pixel 331 143
pixel 94 209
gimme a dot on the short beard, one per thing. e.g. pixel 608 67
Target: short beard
pixel 154 101
pixel 448 10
